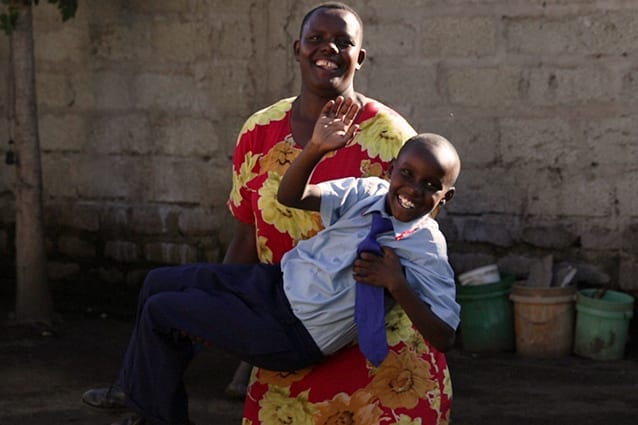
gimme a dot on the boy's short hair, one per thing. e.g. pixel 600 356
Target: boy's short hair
pixel 438 142
pixel 330 5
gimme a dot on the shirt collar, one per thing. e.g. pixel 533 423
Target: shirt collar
pixel 402 229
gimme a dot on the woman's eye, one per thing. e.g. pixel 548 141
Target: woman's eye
pixel 344 44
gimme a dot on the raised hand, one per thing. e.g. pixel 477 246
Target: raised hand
pixel 334 127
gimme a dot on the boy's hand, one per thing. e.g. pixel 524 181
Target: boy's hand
pixel 385 271
pixel 334 128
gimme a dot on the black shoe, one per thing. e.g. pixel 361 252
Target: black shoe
pixel 133 419
pixel 109 399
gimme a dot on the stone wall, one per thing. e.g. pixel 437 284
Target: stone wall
pixel 140 102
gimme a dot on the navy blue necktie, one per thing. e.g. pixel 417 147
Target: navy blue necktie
pixel 369 309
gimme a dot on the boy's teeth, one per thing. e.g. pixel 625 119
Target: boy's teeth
pixel 405 202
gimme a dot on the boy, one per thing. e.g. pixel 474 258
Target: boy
pixel 289 316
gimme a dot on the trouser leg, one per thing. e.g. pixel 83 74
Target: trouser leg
pixel 240 309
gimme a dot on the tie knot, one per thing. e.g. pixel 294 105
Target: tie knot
pixel 380 224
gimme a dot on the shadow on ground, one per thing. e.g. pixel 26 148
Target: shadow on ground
pixel 43 377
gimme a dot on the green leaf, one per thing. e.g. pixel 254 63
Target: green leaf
pixel 8 21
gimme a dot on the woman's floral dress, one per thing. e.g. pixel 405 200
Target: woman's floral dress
pixel 412 386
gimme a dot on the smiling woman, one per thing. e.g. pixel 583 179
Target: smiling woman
pixel 413 383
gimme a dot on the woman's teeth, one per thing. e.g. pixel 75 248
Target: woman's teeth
pixel 405 202
pixel 323 63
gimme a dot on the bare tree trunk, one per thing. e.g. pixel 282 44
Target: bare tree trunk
pixel 33 297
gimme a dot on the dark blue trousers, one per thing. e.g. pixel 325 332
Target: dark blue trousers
pixel 241 309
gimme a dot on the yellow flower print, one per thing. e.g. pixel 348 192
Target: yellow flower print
pixel 343 409
pixel 263 252
pixel 401 380
pixel 298 224
pixel 281 379
pixel 243 176
pixel 278 408
pixel 273 112
pixel 406 420
pixel 371 169
pixel 398 326
pixel 383 135
pixel 279 157
pixel 447 383
pixel 246 421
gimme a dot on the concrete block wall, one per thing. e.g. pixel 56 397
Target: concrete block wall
pixel 140 103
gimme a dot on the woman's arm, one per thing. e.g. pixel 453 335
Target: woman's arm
pixel 243 247
pixel 333 130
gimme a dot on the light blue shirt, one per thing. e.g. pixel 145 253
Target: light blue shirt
pixel 318 271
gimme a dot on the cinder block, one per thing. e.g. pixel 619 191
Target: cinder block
pixel 384 72
pixel 600 234
pixel 181 42
pixel 198 221
pixel 66 44
pixel 122 251
pixel 170 253
pixel 73 246
pixel 54 90
pixel 128 133
pixel 474 196
pixel 608 33
pixel 189 180
pixel 573 192
pixel 495 230
pixel 550 235
pixel 62 132
pixel 187 136
pixel 574 85
pixel 391 40
pixel 627 273
pixel 153 219
pixel 73 215
pixel 612 140
pixel 485 87
pixel 168 92
pixel 626 193
pixel 543 140
pixel 453 37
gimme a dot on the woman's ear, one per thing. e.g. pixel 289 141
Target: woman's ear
pixel 295 49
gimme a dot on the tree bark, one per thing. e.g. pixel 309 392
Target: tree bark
pixel 33 298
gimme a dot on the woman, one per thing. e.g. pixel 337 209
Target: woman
pixel 414 381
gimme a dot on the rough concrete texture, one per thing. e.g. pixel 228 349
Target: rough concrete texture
pixel 140 104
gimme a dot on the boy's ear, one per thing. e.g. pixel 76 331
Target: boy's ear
pixel 449 194
pixel 388 173
pixel 361 58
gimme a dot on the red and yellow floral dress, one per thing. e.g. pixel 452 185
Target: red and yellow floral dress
pixel 412 386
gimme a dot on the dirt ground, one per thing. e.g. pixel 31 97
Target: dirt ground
pixel 42 378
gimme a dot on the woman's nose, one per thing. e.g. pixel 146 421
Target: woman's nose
pixel 330 46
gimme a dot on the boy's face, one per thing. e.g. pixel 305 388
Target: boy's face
pixel 329 51
pixel 419 181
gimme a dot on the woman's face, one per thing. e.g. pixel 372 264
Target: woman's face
pixel 329 52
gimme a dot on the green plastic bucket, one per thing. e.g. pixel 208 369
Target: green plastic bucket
pixel 602 324
pixel 486 316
